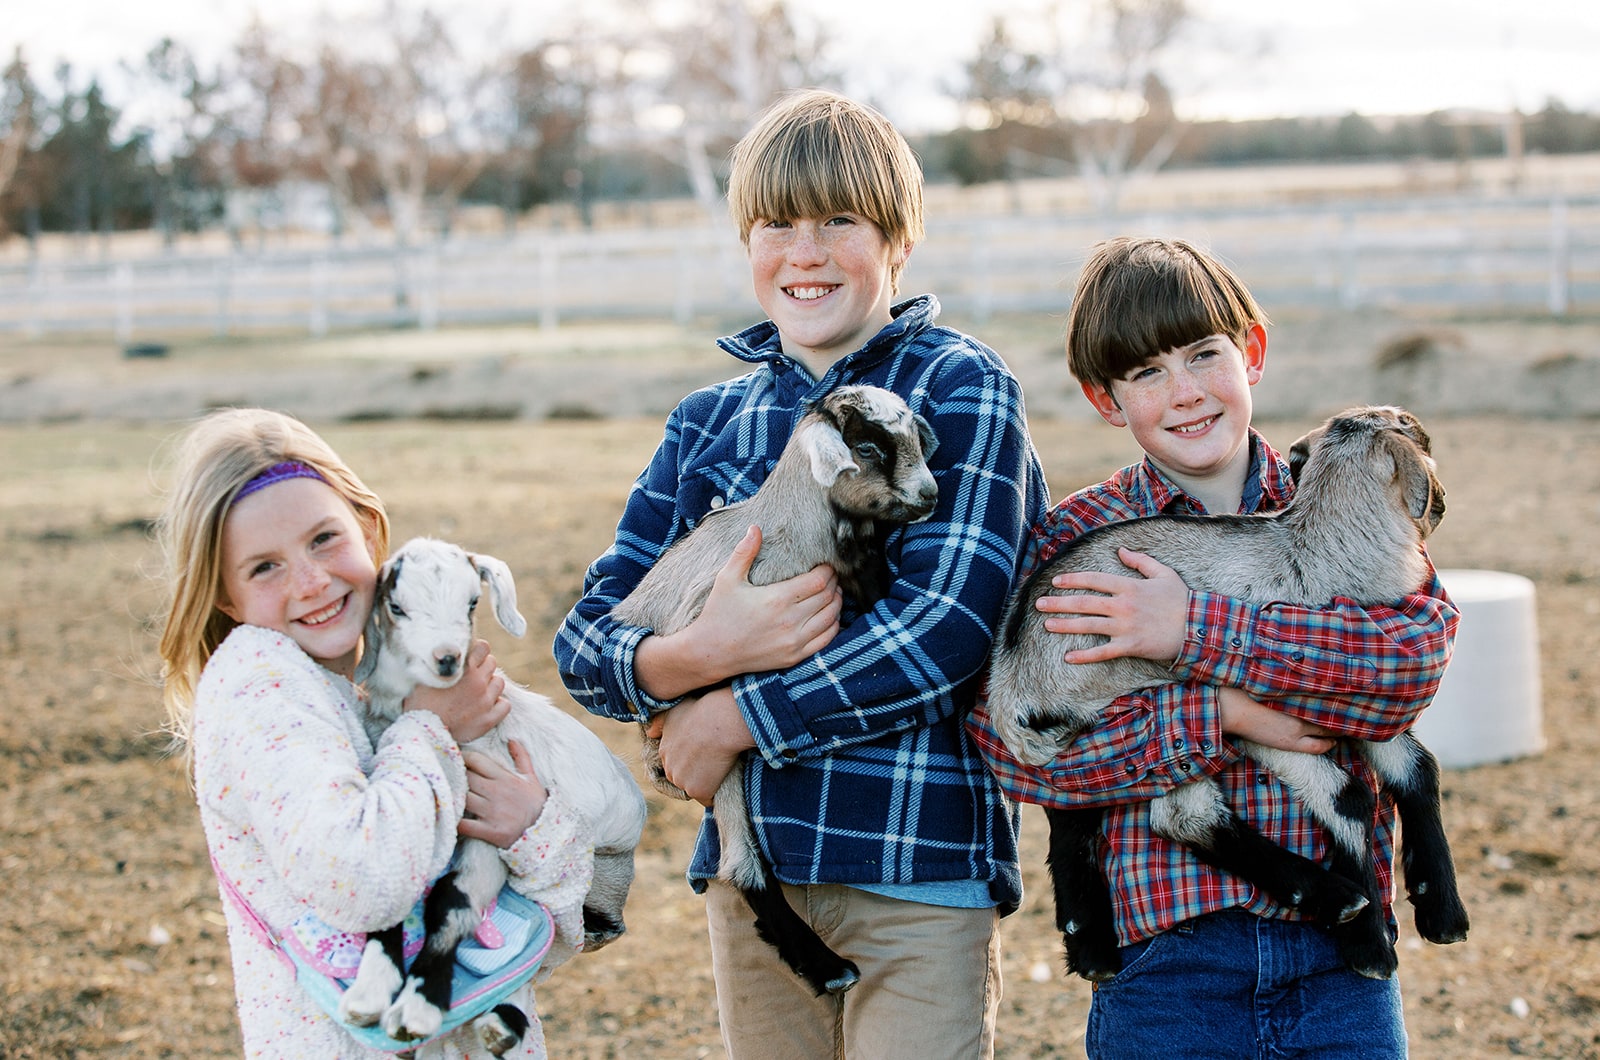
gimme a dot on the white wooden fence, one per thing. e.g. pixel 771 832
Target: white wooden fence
pixel 1505 255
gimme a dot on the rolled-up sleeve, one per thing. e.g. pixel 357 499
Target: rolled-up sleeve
pixel 1361 671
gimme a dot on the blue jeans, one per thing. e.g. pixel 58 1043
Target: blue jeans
pixel 1232 985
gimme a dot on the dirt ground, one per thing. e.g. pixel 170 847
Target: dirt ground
pixel 111 914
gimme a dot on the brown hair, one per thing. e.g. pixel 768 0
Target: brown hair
pixel 816 152
pixel 1137 298
pixel 214 459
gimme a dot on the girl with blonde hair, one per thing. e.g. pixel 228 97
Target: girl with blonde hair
pixel 272 549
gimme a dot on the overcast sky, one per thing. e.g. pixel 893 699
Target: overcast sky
pixel 1371 56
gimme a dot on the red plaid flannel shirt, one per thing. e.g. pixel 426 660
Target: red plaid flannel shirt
pixel 1362 672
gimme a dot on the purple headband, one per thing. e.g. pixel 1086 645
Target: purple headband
pixel 275 474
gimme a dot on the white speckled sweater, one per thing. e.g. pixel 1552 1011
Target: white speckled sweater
pixel 303 814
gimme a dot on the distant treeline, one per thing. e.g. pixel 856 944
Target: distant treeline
pixel 383 125
pixel 82 176
pixel 976 156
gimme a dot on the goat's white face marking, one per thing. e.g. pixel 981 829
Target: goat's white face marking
pixel 885 407
pixel 430 601
pixel 431 605
pixel 873 434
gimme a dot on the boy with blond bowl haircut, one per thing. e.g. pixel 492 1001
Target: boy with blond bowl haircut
pixel 1166 341
pixel 889 834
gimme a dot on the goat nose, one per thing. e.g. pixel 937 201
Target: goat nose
pixel 446 663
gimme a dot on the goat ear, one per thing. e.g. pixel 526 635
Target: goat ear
pixel 1419 486
pixel 1300 453
pixel 930 441
pixel 830 457
pixel 370 638
pixel 503 591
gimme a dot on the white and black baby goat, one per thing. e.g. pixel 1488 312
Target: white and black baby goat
pixel 855 465
pixel 1366 496
pixel 419 633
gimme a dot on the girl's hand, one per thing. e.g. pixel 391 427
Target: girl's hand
pixel 1252 720
pixel 743 628
pixel 474 704
pixel 701 740
pixel 502 802
pixel 1143 617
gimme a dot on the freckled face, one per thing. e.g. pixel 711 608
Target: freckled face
pixel 1189 408
pixel 824 281
pixel 295 560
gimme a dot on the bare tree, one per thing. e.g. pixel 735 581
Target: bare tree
pixel 719 68
pixel 386 109
pixel 18 99
pixel 187 123
pixel 1094 76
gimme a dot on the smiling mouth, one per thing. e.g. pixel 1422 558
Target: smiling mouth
pixel 1194 428
pixel 326 615
pixel 809 294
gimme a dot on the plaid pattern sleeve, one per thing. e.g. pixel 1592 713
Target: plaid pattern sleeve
pixel 593 651
pixel 863 772
pixel 1365 672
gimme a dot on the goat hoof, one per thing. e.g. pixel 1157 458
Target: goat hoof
pixel 843 981
pixel 1441 923
pixel 1379 967
pixel 1367 950
pixel 1352 910
pixel 1091 950
pixel 412 1016
pixel 501 1028
pixel 1094 968
pixel 600 928
pixel 377 980
pixel 362 1008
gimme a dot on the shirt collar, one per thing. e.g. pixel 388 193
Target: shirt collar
pixel 760 344
pixel 1267 485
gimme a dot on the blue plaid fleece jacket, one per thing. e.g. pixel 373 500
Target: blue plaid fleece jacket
pixel 863 771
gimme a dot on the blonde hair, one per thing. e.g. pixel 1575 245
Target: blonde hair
pixel 214 459
pixel 815 153
pixel 1138 298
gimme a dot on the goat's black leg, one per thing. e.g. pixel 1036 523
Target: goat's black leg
pixel 1364 939
pixel 501 1029
pixel 1194 814
pixel 379 977
pixel 1083 901
pixel 797 944
pixel 1295 881
pixel 599 928
pixel 448 918
pixel 1430 871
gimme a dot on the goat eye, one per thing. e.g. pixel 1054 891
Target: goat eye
pixel 396 610
pixel 868 451
pixel 472 607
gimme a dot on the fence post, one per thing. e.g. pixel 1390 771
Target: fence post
pixel 1560 258
pixel 683 283
pixel 122 282
pixel 983 271
pixel 1349 289
pixel 318 324
pixel 427 284
pixel 224 275
pixel 549 315
pixel 35 303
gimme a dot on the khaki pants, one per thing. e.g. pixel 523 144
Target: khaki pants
pixel 929 989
